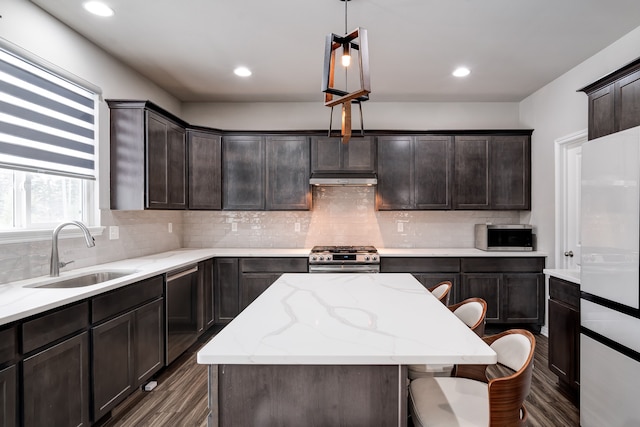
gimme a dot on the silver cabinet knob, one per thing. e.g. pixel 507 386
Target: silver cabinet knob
pixel 569 254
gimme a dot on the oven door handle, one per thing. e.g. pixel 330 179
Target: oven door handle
pixel 374 268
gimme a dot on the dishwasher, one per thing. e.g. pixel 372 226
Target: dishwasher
pixel 181 298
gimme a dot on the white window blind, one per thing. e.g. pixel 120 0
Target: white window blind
pixel 47 123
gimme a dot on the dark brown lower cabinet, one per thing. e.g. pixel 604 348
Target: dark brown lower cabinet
pixel 56 385
pixel 429 271
pixel 564 336
pixel 206 315
pixel 8 396
pixel 310 395
pixel 127 351
pixel 227 291
pixel 253 284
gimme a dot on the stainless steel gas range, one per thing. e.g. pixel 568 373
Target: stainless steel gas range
pixel 344 259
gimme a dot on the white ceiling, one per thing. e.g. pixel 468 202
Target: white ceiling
pixel 513 47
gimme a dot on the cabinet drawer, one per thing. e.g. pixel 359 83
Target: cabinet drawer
pixel 8 344
pixel 502 265
pixel 419 265
pixel 126 298
pixel 565 291
pixel 276 265
pixel 51 327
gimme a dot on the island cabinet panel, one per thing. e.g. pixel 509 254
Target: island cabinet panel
pixel 9 396
pixel 148 157
pixel 512 286
pixel 288 171
pixel 564 335
pixel 56 384
pixel 415 172
pixel 614 101
pixel 301 395
pixel 205 170
pixel 243 171
pixel 227 290
pixel 472 172
pixel 330 155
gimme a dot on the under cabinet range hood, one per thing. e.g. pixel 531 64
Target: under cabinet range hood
pixel 343 179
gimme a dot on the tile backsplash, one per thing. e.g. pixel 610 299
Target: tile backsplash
pixel 340 216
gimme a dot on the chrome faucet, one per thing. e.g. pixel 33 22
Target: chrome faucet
pixel 54 270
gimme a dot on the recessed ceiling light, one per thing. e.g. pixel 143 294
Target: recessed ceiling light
pixel 242 72
pixel 461 72
pixel 98 8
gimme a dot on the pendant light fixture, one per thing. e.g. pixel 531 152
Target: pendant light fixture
pixel 355 40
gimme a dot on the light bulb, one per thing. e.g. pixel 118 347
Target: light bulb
pixel 346 55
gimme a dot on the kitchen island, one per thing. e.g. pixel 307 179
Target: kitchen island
pixel 331 349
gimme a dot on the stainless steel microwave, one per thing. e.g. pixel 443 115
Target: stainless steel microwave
pixel 504 237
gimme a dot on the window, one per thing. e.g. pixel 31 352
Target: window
pixel 47 147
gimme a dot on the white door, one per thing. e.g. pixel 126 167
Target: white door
pixel 569 172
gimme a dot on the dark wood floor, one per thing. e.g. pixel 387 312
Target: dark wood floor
pixel 180 399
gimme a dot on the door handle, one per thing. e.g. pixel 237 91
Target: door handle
pixel 569 254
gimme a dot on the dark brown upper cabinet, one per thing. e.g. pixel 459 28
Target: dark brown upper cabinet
pixel 266 172
pixel 148 157
pixel 205 170
pixel 492 172
pixel 414 172
pixel 330 155
pixel 614 101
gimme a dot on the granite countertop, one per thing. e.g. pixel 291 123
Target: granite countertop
pixel 565 274
pixel 19 300
pixel 346 319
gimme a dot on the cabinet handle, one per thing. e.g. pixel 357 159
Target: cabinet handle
pixel 569 254
pixel 171 277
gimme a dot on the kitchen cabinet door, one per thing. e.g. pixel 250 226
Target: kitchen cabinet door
pixel 433 172
pixel 148 339
pixel 288 172
pixel 205 170
pixel 253 284
pixel 601 112
pixel 488 287
pixel 227 292
pixel 113 363
pixel 431 279
pixel 395 190
pixel 510 175
pixel 331 155
pixel 8 396
pixel 166 153
pixel 243 172
pixel 627 101
pixel 524 297
pixel 56 385
pixel 471 172
pixel 206 292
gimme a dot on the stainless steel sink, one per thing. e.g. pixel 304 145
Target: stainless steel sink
pixel 84 280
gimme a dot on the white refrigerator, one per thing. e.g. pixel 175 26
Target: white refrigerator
pixel 610 287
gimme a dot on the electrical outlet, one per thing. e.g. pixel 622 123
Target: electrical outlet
pixel 234 226
pixel 170 227
pixel 114 232
pixel 400 227
pixel 296 227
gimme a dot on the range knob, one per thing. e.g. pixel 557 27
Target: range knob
pixel 313 258
pixel 328 257
pixel 321 258
pixel 366 258
pixel 374 258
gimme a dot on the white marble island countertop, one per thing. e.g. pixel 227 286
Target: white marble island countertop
pixel 346 319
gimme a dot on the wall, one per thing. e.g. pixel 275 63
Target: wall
pixel 555 111
pixel 29 28
pixel 340 216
